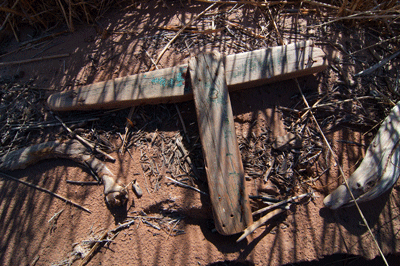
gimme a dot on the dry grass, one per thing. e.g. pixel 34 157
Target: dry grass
pixel 46 14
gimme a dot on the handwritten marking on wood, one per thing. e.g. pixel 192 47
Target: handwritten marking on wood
pixel 244 70
pixel 224 167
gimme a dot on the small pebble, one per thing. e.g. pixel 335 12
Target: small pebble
pixel 136 189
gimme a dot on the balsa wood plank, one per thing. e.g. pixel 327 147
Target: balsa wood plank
pixel 225 174
pixel 167 85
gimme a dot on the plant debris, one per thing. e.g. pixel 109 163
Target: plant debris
pixel 355 93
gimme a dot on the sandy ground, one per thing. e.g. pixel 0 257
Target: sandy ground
pixel 116 47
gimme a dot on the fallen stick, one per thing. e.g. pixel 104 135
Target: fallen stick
pixel 127 127
pixel 96 246
pixel 33 60
pixel 186 157
pixel 258 223
pixel 122 226
pixel 186 186
pixel 84 141
pixel 179 33
pixel 377 65
pixel 271 18
pixel 316 106
pixel 8 15
pixel 46 191
pixel 283 202
pixel 34 261
pixel 182 122
pixel 245 30
pixel 151 225
pixel 375 44
pixel 194 31
pixel 55 216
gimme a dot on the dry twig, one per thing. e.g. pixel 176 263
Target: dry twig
pixel 180 31
pixel 104 236
pixel 283 202
pixel 127 127
pixel 84 141
pixel 33 60
pixel 377 65
pixel 258 223
pixel 45 190
pixel 186 186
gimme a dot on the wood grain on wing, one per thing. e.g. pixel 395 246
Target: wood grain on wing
pixel 243 70
pixel 224 167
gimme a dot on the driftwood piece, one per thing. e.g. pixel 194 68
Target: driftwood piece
pixel 224 167
pixel 115 194
pixel 378 171
pixel 243 70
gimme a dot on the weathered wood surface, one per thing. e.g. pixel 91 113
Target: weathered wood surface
pixel 224 167
pixel 115 194
pixel 378 171
pixel 167 85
